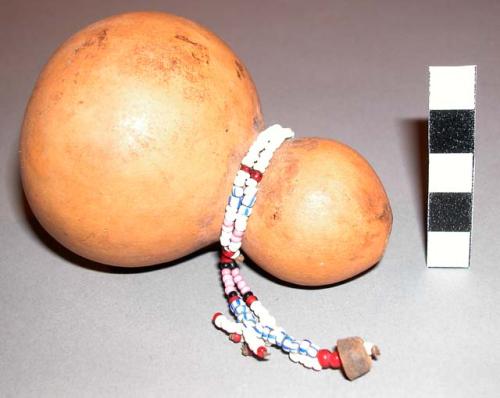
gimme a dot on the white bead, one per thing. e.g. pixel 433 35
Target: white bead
pixel 273 129
pixel 280 335
pixel 263 314
pixel 308 362
pixel 251 338
pixel 368 347
pixel 260 166
pixel 241 223
pixel 249 196
pixel 253 152
pixel 236 254
pixel 253 157
pixel 276 137
pixel 276 143
pixel 238 191
pixel 230 217
pixel 304 345
pixel 263 138
pixel 233 246
pixel 251 182
pixel 230 211
pixel 227 229
pixel 250 190
pixel 288 133
pixel 269 320
pixel 248 200
pixel 294 346
pixel 266 155
pixel 243 173
pixel 312 351
pixel 240 178
pixel 227 325
pixel 245 210
pixel 256 307
pixel 225 238
pixel 234 201
pixel 247 161
pixel 316 366
pixel 263 161
pixel 294 357
pixel 239 181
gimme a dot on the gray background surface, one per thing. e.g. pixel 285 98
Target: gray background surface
pixel 353 71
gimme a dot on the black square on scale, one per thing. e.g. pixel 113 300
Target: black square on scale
pixel 451 131
pixel 450 211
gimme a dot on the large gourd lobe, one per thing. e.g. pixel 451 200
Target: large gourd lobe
pixel 132 137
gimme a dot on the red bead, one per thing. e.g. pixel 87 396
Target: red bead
pixel 256 175
pixel 214 317
pixel 335 361
pixel 261 352
pixel 232 298
pixel 227 253
pixel 235 337
pixel 324 358
pixel 245 168
pixel 225 260
pixel 250 300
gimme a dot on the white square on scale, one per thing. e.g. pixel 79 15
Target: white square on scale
pixel 450 172
pixel 448 249
pixel 452 87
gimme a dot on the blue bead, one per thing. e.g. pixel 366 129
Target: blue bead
pixel 272 337
pixel 294 347
pixel 244 210
pixel 266 331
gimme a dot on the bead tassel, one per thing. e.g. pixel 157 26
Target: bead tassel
pixel 254 325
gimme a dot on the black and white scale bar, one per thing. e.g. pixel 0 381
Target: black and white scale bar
pixel 452 112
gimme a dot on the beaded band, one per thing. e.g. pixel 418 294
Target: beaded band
pixel 254 325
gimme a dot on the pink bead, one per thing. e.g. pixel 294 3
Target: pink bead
pixel 228 223
pixel 235 271
pixel 238 278
pixel 228 283
pixel 241 284
pixel 228 290
pixel 226 278
pixel 245 290
pixel 238 233
pixel 226 271
pixel 236 238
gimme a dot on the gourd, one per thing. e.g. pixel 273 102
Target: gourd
pixel 133 135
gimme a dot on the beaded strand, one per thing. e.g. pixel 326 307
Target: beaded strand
pixel 254 324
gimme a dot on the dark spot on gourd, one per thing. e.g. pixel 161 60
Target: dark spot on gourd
pixel 258 123
pixel 99 40
pixel 184 38
pixel 386 214
pixel 240 70
pixel 307 143
pixel 56 96
pixel 200 52
pixel 101 36
pixel 276 215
